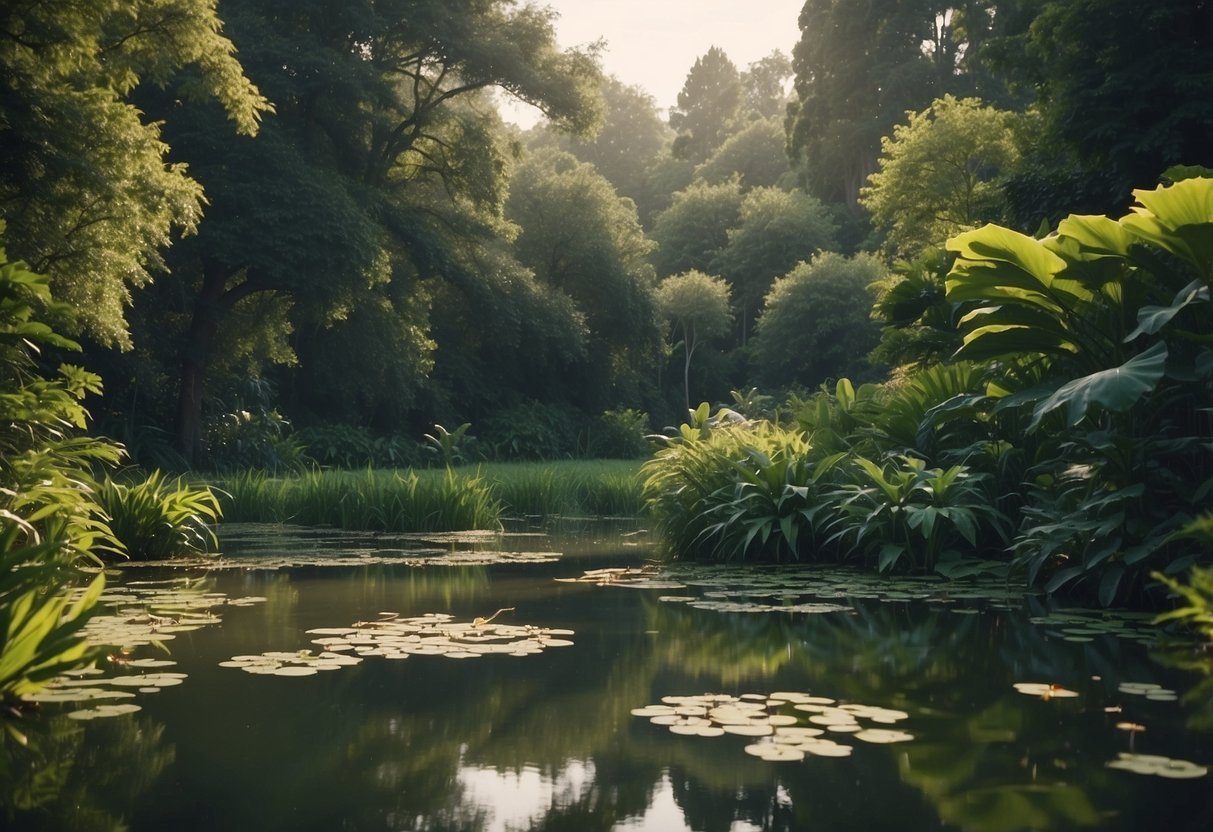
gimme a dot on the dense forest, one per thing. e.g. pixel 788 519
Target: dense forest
pixel 281 222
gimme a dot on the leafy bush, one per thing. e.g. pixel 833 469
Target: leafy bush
pixel 154 520
pixel 48 518
pixel 735 489
pixel 904 513
pixel 351 446
pixel 1099 334
pixel 619 434
pixel 532 430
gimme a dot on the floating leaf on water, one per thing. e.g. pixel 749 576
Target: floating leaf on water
pixel 826 748
pixel 1158 765
pixel 1131 727
pixel 1044 690
pixel 749 729
pixel 105 711
pixel 774 752
pixel 882 736
pixel 294 670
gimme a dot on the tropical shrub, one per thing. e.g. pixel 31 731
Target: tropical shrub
pixel 730 489
pixel 903 514
pixel 156 519
pixel 1099 333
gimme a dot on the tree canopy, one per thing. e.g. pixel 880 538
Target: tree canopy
pixel 941 173
pixel 86 189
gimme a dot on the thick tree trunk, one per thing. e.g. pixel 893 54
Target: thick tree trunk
pixel 209 308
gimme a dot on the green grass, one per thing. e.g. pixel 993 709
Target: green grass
pixel 604 487
pixel 469 497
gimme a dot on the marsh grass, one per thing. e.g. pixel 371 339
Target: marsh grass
pixel 470 497
pixel 601 488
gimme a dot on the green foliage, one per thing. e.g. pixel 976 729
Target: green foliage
pixel 1197 613
pixel 584 241
pixel 619 434
pixel 532 430
pixel 776 230
pixel 721 489
pixel 698 305
pixel 353 446
pixel 157 519
pixel 918 323
pixel 756 155
pixel 48 517
pixel 709 104
pixel 1097 333
pixel 39 623
pixel 693 231
pixel 815 321
pixel 903 512
pixel 86 187
pixel 390 501
pixel 940 173
pixel 449 445
pixel 569 488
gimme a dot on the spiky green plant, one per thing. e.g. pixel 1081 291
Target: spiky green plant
pixel 157 518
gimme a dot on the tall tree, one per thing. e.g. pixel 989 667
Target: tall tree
pixel 1122 86
pixel 380 154
pixel 941 173
pixel 815 323
pixel 88 195
pixel 709 105
pixel 631 140
pixel 583 240
pixel 697 305
pixel 692 232
pixel 860 67
pixel 756 153
pixel 764 85
pixel 776 230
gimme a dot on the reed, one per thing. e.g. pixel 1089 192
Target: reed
pixel 470 497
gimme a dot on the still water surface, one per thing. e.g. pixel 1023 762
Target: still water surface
pixel 547 741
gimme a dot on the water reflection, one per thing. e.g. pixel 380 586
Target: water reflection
pixel 547 742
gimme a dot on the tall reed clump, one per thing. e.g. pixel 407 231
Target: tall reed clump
pixel 425 501
pixel 157 519
pixel 604 488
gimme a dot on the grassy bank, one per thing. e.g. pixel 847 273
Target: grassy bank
pixel 471 497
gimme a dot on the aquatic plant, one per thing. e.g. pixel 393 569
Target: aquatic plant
pixel 155 519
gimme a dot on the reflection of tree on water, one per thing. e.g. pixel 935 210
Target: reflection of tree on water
pixel 79 778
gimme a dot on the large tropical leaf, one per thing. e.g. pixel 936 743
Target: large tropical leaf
pixel 1150 319
pixel 1116 389
pixel 1178 219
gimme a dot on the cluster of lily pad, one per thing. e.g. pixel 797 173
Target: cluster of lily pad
pixel 788 725
pixel 787 588
pixel 1084 625
pixel 147 612
pixel 92 685
pixel 1150 690
pixel 1158 766
pixel 394 637
pixel 293 546
pixel 141 613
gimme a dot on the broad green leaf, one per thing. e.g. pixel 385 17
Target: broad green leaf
pixel 889 555
pixel 1178 219
pixel 1116 389
pixel 1150 319
pixel 995 256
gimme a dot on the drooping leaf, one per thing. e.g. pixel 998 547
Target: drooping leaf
pixel 1116 389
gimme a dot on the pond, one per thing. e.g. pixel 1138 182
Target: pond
pixel 323 681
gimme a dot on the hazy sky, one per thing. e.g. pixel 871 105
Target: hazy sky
pixel 653 43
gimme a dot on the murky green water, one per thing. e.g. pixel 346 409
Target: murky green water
pixel 546 740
